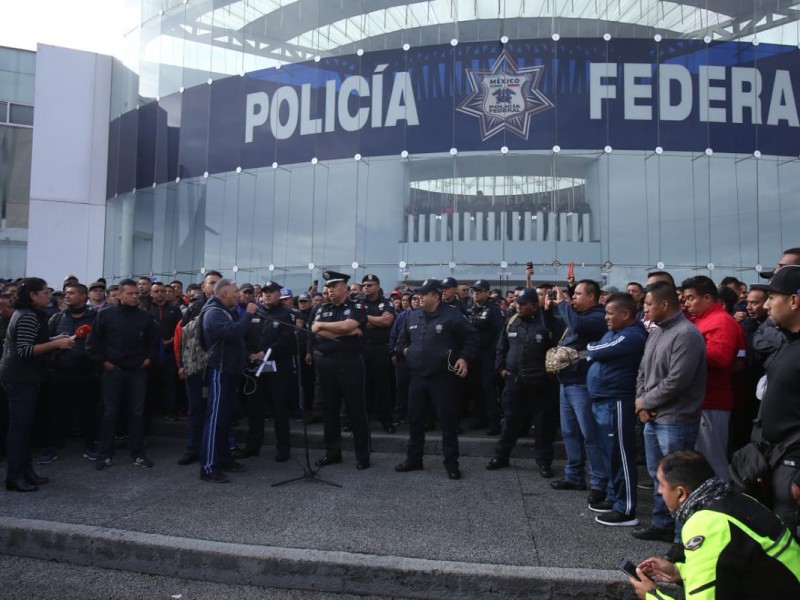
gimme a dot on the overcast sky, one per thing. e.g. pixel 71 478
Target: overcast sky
pixel 94 25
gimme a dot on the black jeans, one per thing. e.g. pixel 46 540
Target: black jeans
pixel 22 400
pixel 117 386
pixel 440 390
pixel 523 397
pixel 271 389
pixel 341 378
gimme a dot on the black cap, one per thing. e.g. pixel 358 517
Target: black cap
pixel 449 282
pixel 97 284
pixel 371 279
pixel 247 287
pixel 429 285
pixel 481 284
pixel 304 297
pixel 786 281
pixel 527 295
pixel 271 286
pixel 332 277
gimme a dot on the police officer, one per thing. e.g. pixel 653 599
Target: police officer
pixel 521 351
pixel 438 344
pixel 380 316
pixel 450 295
pixel 270 328
pixel 339 326
pixel 488 319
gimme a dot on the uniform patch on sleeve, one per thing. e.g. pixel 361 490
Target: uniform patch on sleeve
pixel 695 542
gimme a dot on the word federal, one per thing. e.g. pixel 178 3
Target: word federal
pixel 719 94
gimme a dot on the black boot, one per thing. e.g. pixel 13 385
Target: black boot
pixel 34 479
pixel 20 485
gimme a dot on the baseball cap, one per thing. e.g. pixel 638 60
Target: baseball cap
pixel 609 289
pixel 481 284
pixel 97 284
pixel 304 297
pixel 286 293
pixel 449 282
pixel 429 285
pixel 371 279
pixel 527 295
pixel 786 281
pixel 247 287
pixel 271 286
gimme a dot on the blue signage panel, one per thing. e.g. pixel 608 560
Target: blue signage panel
pixel 584 94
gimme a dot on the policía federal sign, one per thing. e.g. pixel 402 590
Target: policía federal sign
pixel 582 94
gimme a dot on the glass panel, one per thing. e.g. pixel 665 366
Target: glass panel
pixel 20 115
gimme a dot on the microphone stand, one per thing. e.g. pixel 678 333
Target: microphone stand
pixel 309 472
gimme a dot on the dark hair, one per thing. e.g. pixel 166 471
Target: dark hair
pixel 212 273
pixel 145 277
pixel 592 287
pixel 155 283
pixel 111 288
pixel 82 289
pixel 729 298
pixel 795 251
pixel 178 281
pixel 625 301
pixel 664 274
pixel 729 280
pixel 702 285
pixel 637 284
pixel 127 281
pixel 664 292
pixel 26 287
pixel 687 468
pixel 544 286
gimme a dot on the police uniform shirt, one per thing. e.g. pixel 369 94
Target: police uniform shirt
pixel 268 329
pixel 523 346
pixel 332 313
pixel 488 320
pixel 378 308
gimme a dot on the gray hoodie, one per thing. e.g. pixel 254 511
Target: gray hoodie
pixel 672 375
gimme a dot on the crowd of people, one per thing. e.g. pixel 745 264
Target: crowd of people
pixel 661 374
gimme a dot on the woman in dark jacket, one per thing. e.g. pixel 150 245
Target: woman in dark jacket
pixel 22 368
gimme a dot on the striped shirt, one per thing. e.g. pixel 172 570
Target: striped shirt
pixel 27 333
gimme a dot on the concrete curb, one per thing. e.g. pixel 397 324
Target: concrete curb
pixel 299 569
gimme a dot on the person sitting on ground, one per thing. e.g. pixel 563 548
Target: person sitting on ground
pixel 735 547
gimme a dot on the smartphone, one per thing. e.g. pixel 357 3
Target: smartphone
pixel 551 294
pixel 529 265
pixel 627 567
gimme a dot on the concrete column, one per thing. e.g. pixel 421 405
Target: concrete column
pixel 490 219
pixel 515 226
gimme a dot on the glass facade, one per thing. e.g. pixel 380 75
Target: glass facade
pixel 17 69
pixel 271 139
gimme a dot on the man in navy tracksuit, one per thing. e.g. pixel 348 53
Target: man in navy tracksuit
pixel 223 338
pixel 611 380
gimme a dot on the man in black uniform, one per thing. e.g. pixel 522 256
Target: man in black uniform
pixel 487 318
pixel 450 295
pixel 521 351
pixel 380 316
pixel 438 344
pixel 270 328
pixel 339 326
pixel 780 406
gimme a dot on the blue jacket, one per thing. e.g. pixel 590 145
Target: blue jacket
pixel 582 328
pixel 223 336
pixel 614 363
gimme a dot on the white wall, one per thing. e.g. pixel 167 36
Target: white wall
pixel 69 165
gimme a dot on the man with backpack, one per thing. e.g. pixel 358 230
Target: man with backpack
pixel 192 361
pixel 222 336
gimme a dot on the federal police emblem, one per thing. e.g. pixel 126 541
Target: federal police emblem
pixel 505 97
pixel 438 328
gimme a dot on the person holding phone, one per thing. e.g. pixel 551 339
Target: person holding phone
pixel 735 547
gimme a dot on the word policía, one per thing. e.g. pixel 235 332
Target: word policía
pixel 286 111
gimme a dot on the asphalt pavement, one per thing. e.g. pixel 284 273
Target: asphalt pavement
pixel 492 534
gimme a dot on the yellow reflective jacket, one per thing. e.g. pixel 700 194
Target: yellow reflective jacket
pixel 738 549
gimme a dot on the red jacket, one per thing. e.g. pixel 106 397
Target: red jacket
pixel 726 345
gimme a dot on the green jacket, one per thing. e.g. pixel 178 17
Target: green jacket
pixel 738 549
